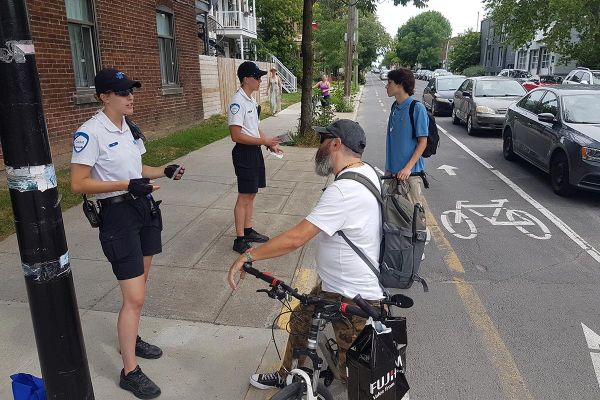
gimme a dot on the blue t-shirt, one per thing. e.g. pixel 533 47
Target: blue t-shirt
pixel 400 143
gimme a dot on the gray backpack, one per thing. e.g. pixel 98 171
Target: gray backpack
pixel 404 235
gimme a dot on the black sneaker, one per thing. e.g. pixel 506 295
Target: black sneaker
pixel 267 381
pixel 241 245
pixel 147 350
pixel 139 384
pixel 254 236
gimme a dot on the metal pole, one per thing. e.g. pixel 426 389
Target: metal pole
pixel 349 50
pixel 38 218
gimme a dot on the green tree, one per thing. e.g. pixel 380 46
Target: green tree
pixel 307 51
pixel 390 58
pixel 465 51
pixel 422 38
pixel 570 28
pixel 277 31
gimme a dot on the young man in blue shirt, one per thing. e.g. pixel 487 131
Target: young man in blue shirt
pixel 403 149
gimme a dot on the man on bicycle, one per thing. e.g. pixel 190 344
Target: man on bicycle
pixel 345 205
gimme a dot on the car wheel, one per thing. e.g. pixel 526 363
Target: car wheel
pixel 559 174
pixel 455 119
pixel 470 129
pixel 507 146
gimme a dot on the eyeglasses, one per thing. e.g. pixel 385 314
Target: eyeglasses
pixel 327 136
pixel 257 77
pixel 124 93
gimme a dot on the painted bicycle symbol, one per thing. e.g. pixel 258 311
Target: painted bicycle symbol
pixel 458 223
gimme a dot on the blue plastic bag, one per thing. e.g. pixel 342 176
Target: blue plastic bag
pixel 27 387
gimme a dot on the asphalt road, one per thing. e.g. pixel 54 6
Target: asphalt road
pixel 514 276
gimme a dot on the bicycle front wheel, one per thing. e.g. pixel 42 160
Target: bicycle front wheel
pixel 297 391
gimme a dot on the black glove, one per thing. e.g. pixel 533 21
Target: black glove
pixel 170 170
pixel 140 186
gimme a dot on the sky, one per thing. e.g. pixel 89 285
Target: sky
pixel 462 14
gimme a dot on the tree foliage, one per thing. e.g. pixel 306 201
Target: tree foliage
pixel 277 31
pixel 422 38
pixel 465 51
pixel 570 28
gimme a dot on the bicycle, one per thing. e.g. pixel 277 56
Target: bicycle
pixel 301 386
pixel 517 218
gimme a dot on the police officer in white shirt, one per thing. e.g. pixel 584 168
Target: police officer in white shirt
pixel 107 162
pixel 247 156
pixel 347 206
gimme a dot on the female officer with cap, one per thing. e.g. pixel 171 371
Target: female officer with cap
pixel 107 162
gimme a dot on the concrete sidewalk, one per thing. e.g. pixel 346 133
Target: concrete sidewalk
pixel 212 339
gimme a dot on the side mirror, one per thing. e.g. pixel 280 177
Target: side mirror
pixel 547 117
pixel 466 94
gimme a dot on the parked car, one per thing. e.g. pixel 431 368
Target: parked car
pixel 375 70
pixel 557 129
pixel 545 80
pixel 383 74
pixel 438 95
pixel 481 102
pixel 583 76
pixel 427 75
pixel 440 72
pixel 422 74
pixel 520 75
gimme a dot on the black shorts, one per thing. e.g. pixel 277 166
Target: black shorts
pixel 129 232
pixel 249 166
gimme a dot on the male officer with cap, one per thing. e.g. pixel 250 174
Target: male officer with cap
pixel 247 156
pixel 342 272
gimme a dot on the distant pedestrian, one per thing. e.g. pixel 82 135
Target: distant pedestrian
pixel 274 90
pixel 324 86
pixel 403 148
pixel 107 162
pixel 247 156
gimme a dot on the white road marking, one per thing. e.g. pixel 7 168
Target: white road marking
pixel 449 169
pixel 571 234
pixel 593 340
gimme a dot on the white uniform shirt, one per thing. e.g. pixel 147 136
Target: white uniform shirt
pixel 112 153
pixel 348 206
pixel 242 112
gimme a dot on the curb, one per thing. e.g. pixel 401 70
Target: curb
pixel 357 103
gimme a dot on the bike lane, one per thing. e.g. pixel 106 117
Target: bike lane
pixel 526 285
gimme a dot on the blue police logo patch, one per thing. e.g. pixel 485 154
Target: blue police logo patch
pixel 80 140
pixel 234 108
pixel 119 75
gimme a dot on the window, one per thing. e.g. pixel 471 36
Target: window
pixel 532 102
pixel 489 54
pixel 549 104
pixel 577 77
pixel 545 58
pixel 521 56
pixel 80 17
pixel 166 48
pixel 533 60
pixel 500 57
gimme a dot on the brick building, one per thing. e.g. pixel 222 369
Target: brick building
pixel 153 41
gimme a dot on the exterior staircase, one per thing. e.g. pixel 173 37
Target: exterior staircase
pixel 288 80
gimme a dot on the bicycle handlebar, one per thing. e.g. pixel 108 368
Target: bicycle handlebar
pixel 364 309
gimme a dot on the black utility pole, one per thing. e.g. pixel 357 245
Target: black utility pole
pixel 38 218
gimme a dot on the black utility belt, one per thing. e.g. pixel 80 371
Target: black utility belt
pixel 116 199
pixel 95 216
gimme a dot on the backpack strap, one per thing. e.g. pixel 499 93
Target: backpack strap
pixel 411 113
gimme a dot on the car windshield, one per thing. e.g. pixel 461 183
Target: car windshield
pixel 582 108
pixel 520 74
pixel 449 84
pixel 596 75
pixel 499 88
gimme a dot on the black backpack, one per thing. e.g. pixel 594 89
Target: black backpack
pixel 433 138
pixel 404 235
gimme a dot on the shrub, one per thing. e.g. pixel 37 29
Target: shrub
pixel 474 70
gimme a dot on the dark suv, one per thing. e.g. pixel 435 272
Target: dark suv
pixel 557 129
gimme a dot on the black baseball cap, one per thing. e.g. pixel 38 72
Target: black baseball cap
pixel 350 133
pixel 248 68
pixel 112 80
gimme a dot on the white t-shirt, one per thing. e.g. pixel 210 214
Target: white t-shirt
pixel 348 206
pixel 242 112
pixel 112 153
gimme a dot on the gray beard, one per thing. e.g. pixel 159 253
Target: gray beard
pixel 323 164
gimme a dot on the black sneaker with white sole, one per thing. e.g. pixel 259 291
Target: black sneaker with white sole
pixel 147 350
pixel 256 237
pixel 271 380
pixel 139 384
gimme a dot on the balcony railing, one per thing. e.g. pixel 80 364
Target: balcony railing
pixel 237 20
